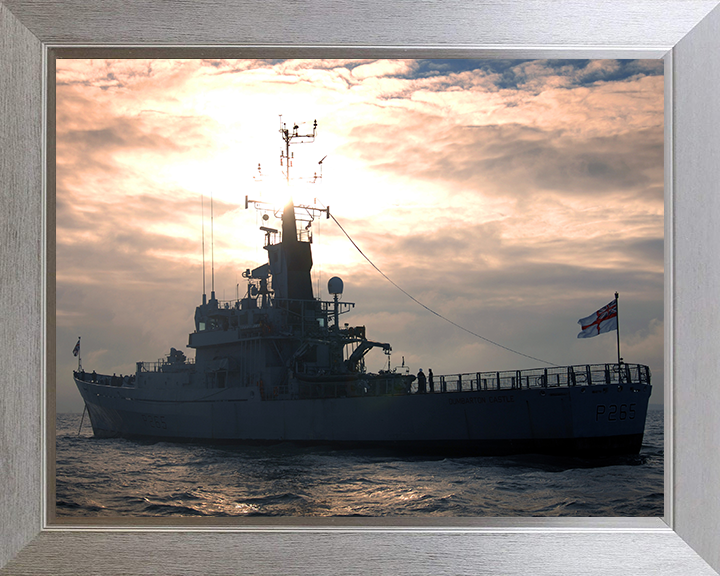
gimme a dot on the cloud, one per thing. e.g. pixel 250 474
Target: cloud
pixel 384 68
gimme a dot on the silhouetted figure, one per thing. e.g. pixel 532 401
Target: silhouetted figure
pixel 421 382
pixel 431 383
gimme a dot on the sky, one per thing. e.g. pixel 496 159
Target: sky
pixel 512 197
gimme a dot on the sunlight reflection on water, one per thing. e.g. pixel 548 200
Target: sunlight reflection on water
pixel 117 477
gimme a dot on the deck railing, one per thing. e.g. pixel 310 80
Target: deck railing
pixel 161 365
pixel 105 379
pixel 553 377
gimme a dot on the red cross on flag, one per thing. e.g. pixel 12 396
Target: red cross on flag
pixel 604 320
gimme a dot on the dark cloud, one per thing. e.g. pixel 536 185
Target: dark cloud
pixel 118 242
pixel 646 250
pixel 150 131
pixel 476 259
pixel 513 158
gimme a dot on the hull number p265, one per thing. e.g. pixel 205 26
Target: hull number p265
pixel 615 412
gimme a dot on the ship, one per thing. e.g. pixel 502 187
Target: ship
pixel 277 365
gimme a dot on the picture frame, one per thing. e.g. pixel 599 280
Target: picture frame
pixel 684 32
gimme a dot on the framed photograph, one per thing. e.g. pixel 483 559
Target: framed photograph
pixel 507 221
pixel 686 535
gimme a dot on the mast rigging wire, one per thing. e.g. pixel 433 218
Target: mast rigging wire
pixel 430 309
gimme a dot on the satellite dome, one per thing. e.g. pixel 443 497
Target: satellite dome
pixel 335 285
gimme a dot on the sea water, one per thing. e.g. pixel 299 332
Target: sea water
pixel 117 477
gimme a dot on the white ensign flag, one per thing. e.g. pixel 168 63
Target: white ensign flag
pixel 604 320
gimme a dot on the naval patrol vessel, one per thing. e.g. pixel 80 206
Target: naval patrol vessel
pixel 277 365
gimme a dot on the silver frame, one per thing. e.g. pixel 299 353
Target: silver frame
pixel 681 31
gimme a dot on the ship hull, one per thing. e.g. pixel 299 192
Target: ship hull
pixel 587 421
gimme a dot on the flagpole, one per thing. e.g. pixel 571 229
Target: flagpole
pixel 617 321
pixel 76 352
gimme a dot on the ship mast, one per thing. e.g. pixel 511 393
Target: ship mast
pixel 289 135
pixel 291 259
pixel 212 250
pixel 202 217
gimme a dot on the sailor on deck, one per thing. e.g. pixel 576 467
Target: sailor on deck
pixel 421 382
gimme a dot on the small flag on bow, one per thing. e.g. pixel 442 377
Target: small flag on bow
pixel 76 350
